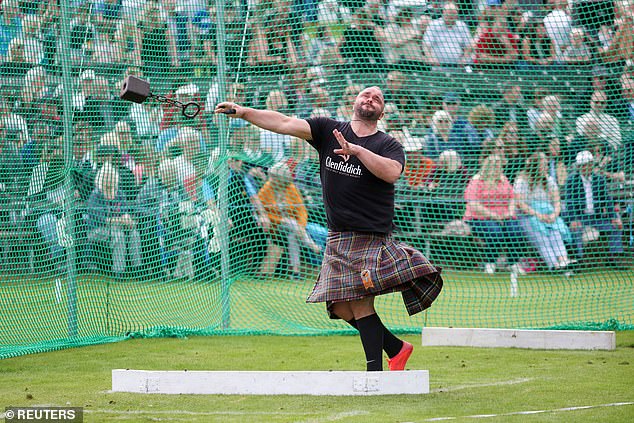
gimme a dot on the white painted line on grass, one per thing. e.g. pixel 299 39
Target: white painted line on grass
pixel 527 412
pixel 336 417
pixel 199 413
pixel 332 418
pixel 482 385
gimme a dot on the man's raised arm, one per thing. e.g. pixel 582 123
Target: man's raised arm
pixel 267 119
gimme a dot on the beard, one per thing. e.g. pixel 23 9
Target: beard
pixel 367 113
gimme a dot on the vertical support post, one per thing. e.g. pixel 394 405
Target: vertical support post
pixel 223 231
pixel 69 200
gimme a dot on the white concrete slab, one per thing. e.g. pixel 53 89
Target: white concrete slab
pixel 270 383
pixel 516 338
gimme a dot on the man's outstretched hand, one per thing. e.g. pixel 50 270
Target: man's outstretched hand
pixel 230 109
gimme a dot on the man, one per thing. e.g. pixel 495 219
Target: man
pixel 610 131
pixel 447 41
pixel 359 166
pixel 558 25
pixel 588 205
pixel 511 108
pixel 463 136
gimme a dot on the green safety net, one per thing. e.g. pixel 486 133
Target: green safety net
pixel 122 220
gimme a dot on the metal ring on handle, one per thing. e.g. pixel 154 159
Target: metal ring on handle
pixel 189 110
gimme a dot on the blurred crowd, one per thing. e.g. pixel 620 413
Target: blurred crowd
pixel 524 163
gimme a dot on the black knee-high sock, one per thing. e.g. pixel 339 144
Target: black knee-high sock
pixel 391 344
pixel 371 334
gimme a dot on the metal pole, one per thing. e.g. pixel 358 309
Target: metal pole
pixel 223 231
pixel 69 200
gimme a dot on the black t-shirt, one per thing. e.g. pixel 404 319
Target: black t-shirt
pixel 354 198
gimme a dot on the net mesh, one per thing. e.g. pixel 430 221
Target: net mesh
pixel 122 220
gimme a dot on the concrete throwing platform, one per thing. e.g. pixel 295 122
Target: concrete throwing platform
pixel 270 383
pixel 516 338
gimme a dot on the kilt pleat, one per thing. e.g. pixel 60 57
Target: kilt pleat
pixel 386 265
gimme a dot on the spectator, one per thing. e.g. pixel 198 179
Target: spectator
pixel 609 129
pixel 46 195
pixel 49 29
pixel 126 40
pixel 110 220
pixel 448 179
pixel 16 63
pixel 82 33
pixel 84 163
pixel 578 52
pixel 538 200
pixel 31 98
pixel 400 94
pixel 511 108
pixel 33 48
pixel 438 139
pixel 401 41
pixel 321 40
pixel 482 119
pixel 538 50
pixel 463 137
pixel 271 55
pixel 558 24
pixel 184 148
pixel 589 206
pixel 10 25
pixel 557 167
pixel 107 49
pixel 622 47
pixel 627 93
pixel 447 41
pixel 360 44
pixel 492 216
pixel 285 219
pixel 276 145
pixel 551 106
pixel 13 122
pixel 496 46
pixel 535 110
pixel 157 45
pixel 147 118
pixel 514 148
pixel 605 156
pixel 92 102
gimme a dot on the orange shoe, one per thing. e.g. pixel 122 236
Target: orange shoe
pixel 399 360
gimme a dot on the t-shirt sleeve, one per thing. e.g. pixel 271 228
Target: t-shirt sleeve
pixel 394 150
pixel 318 128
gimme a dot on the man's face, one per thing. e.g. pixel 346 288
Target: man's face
pixel 369 104
pixel 598 102
pixel 450 15
pixel 451 108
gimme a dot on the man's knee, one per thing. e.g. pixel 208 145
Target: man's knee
pixel 363 307
pixel 342 310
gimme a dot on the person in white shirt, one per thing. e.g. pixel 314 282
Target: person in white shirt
pixel 447 40
pixel 558 25
pixel 609 129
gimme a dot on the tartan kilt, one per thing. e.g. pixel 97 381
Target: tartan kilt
pixel 388 266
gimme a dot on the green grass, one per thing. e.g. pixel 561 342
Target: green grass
pixel 32 314
pixel 463 381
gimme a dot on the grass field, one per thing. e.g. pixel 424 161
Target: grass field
pixel 34 313
pixel 501 383
pixel 507 385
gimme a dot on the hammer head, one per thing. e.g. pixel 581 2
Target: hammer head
pixel 134 89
